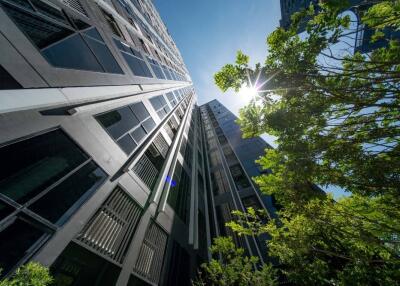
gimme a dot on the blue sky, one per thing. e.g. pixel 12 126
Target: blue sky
pixel 208 34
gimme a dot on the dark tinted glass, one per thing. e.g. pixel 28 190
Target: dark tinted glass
pixel 79 24
pixel 149 125
pixel 135 281
pixel 36 163
pixel 79 267
pixel 95 34
pixel 104 56
pixel 118 121
pixel 127 144
pixel 137 66
pixel 40 31
pixel 7 81
pixel 138 134
pixel 178 197
pixel 49 11
pixel 15 242
pixel 61 202
pixel 140 111
pixel 72 53
pixel 5 210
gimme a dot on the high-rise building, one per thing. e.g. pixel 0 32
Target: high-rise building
pixel 108 174
pixel 231 166
pixel 363 35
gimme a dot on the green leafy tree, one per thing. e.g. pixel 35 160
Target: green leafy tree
pixel 336 117
pixel 233 268
pixel 31 274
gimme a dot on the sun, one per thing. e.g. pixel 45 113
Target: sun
pixel 248 91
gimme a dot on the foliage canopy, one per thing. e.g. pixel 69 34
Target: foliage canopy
pixel 335 114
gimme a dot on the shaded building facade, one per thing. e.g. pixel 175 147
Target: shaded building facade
pixel 231 166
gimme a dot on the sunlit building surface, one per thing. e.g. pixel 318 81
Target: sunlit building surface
pixel 108 174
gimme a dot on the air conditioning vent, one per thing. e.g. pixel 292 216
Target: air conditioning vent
pixel 111 229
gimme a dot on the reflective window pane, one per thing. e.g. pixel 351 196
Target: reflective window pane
pixel 138 134
pixel 39 30
pixel 118 121
pixel 94 34
pixel 149 125
pixel 62 201
pixel 104 56
pixel 36 163
pixel 140 111
pixel 127 144
pixel 72 53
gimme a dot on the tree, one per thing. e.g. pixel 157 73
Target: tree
pixel 31 274
pixel 336 117
pixel 233 268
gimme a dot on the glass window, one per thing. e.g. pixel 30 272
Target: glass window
pixel 39 30
pixel 5 210
pixel 149 125
pixel 138 134
pixel 36 163
pixel 127 144
pixel 80 267
pixel 156 103
pixel 72 53
pixel 140 111
pixel 104 55
pixel 179 193
pixel 49 11
pixel 16 241
pixel 7 81
pixel 137 66
pixel 68 196
pixel 123 124
pixel 239 177
pixel 119 121
pixel 59 42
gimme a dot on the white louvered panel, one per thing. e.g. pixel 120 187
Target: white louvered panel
pixel 151 256
pixel 146 171
pixel 161 145
pixel 111 229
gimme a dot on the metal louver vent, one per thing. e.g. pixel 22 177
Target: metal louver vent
pixel 169 131
pixel 111 229
pixel 150 260
pixel 161 145
pixel 146 171
pixel 76 5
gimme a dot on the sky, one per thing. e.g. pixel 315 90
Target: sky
pixel 208 34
